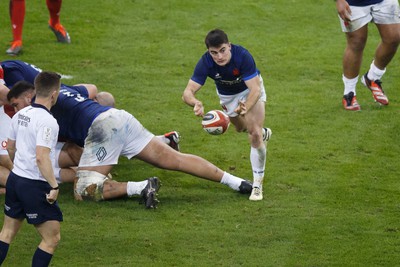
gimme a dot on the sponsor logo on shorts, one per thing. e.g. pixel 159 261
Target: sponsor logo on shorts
pixel 101 153
pixel 31 215
pixel 7 208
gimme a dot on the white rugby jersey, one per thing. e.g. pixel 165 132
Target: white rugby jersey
pixel 31 127
pixel 5 121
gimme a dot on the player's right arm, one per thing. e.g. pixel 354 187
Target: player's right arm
pixel 11 149
pixel 3 94
pixel 343 9
pixel 189 98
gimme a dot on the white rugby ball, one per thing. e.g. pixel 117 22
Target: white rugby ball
pixel 215 122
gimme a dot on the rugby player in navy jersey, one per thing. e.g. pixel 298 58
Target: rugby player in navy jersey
pixel 11 72
pixel 354 16
pixel 107 133
pixel 242 96
pixel 104 188
pixel 68 153
pixel 32 188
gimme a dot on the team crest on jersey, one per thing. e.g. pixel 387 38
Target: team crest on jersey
pixel 47 134
pixel 236 72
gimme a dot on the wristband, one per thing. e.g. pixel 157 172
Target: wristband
pixel 54 188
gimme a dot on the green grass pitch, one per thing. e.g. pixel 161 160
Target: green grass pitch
pixel 332 178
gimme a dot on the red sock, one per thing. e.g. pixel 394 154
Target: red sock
pixel 54 7
pixel 17 15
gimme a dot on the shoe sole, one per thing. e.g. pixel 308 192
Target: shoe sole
pixel 151 200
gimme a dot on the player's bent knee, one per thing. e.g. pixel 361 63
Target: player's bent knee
pixel 90 185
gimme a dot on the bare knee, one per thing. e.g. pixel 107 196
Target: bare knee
pixel 7 236
pixel 49 244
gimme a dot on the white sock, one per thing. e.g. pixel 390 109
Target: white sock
pixel 374 73
pixel 349 85
pixel 231 181
pixel 135 188
pixel 258 157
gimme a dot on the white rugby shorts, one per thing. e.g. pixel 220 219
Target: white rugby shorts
pixel 113 133
pixel 230 102
pixel 385 12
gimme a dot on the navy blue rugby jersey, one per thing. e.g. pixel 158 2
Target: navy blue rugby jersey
pixel 75 113
pixel 363 2
pixel 229 79
pixel 16 70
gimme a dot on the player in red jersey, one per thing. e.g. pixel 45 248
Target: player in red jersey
pixel 17 16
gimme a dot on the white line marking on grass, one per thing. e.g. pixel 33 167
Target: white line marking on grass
pixel 65 76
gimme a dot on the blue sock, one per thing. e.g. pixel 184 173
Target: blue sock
pixel 41 258
pixel 3 251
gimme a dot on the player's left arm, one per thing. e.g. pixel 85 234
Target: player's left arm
pixel 254 87
pixel 45 166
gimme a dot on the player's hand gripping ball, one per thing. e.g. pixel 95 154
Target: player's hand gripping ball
pixel 215 122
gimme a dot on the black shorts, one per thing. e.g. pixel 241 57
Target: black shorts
pixel 26 198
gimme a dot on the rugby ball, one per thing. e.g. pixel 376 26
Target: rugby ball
pixel 215 122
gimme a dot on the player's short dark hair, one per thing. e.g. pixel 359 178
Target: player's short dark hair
pixel 18 89
pixel 216 38
pixel 46 82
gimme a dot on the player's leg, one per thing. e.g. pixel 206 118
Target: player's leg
pixel 353 53
pixel 161 155
pixel 386 50
pixel 352 60
pixel 356 31
pixel 50 233
pixel 4 172
pixel 92 183
pixel 390 35
pixel 54 7
pixel 66 175
pixel 386 17
pixel 17 16
pixel 10 229
pixel 258 149
pixel 69 155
